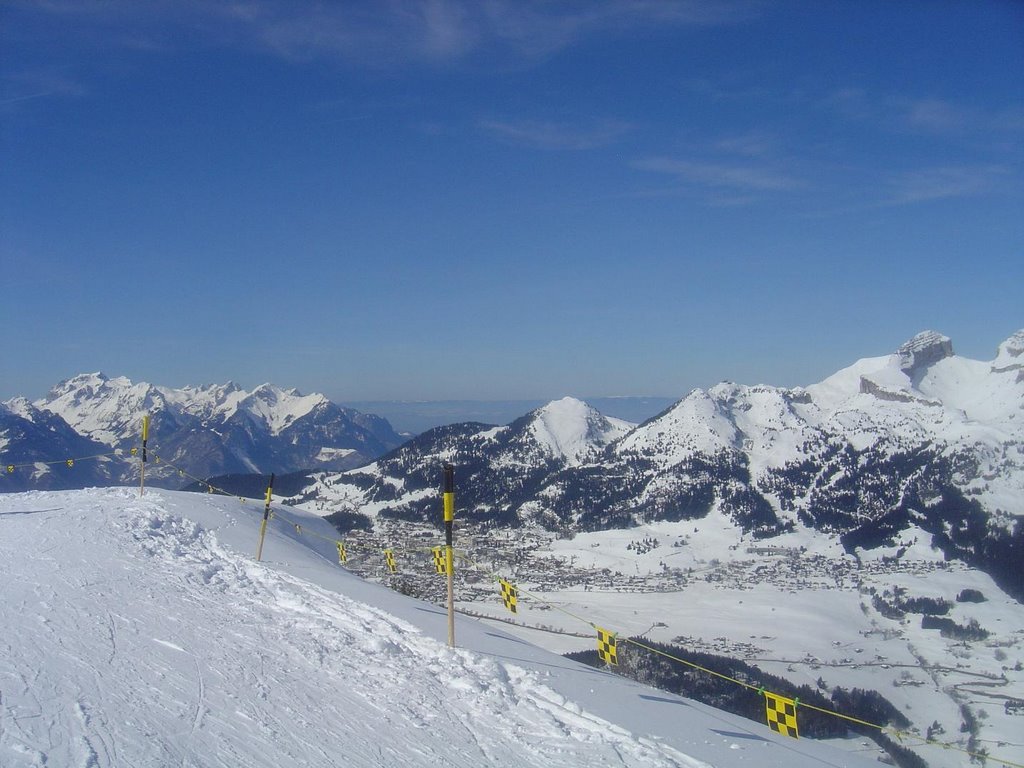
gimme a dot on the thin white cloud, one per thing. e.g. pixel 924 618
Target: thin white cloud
pixel 720 175
pixel 394 32
pixel 537 28
pixel 942 117
pixel 26 97
pixel 924 115
pixel 386 33
pixel 939 183
pixel 933 115
pixel 555 136
pixel 32 85
pixel 753 144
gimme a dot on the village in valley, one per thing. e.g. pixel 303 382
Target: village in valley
pixel 935 637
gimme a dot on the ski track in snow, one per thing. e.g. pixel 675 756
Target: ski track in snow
pixel 216 660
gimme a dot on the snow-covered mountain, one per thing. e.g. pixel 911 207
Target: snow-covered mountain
pixel 500 468
pixel 157 640
pixel 208 430
pixel 917 438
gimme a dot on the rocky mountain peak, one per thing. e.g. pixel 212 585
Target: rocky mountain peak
pixel 925 349
pixel 266 391
pixel 90 382
pixel 1010 355
pixel 18 406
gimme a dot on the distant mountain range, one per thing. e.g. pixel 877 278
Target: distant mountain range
pixel 917 443
pixel 208 430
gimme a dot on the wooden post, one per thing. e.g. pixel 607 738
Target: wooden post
pixel 266 517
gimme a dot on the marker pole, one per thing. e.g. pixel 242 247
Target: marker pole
pixel 266 517
pixel 449 518
pixel 142 463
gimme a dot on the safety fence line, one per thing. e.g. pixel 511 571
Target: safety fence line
pixel 781 712
pixel 10 469
pixel 344 547
pixel 276 513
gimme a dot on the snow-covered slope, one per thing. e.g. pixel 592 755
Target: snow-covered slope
pixel 570 429
pixel 219 429
pixel 141 632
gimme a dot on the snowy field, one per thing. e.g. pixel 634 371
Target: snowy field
pixel 140 632
pixel 805 617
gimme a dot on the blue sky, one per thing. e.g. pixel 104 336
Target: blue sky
pixel 504 199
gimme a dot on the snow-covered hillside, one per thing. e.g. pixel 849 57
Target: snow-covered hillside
pixel 570 429
pixel 917 439
pixel 504 465
pixel 142 632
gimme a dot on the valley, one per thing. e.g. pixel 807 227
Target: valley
pixel 797 609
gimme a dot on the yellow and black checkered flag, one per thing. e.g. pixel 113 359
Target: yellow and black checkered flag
pixel 440 563
pixel 342 554
pixel 70 462
pixel 389 558
pixel 509 595
pixel 781 714
pixel 606 646
pixel 10 469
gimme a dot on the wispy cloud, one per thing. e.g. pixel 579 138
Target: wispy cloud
pixel 927 184
pixel 933 115
pixel 533 27
pixel 721 175
pixel 942 117
pixel 753 144
pixel 556 136
pixel 31 85
pixel 394 32
pixel 923 115
pixel 375 34
pixel 25 97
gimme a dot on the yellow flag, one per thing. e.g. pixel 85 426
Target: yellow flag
pixel 509 595
pixel 440 562
pixel 607 646
pixel 781 714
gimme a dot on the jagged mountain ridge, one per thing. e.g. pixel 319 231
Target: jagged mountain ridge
pixel 208 430
pixel 918 439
